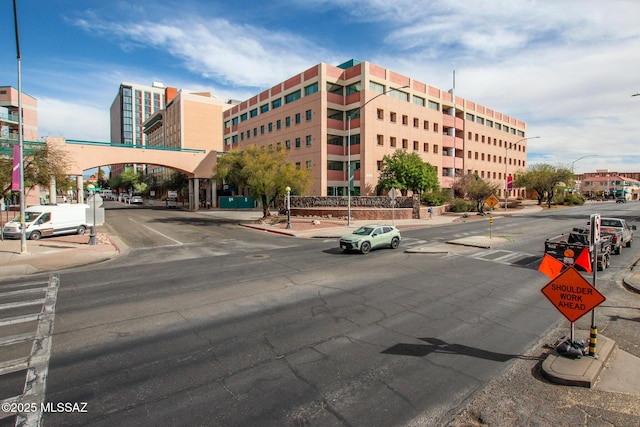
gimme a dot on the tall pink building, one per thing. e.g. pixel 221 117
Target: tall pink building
pixel 9 115
pixel 314 114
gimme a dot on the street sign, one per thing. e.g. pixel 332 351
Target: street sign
pixel 572 294
pixel 491 201
pixel 509 182
pixel 393 193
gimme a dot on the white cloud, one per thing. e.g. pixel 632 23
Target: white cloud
pixel 72 120
pixel 234 54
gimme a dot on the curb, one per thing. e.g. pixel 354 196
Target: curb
pixel 253 227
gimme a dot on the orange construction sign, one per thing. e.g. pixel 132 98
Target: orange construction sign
pixel 572 294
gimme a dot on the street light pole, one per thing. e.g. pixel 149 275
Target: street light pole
pixel 23 236
pixel 288 207
pixel 580 158
pixel 506 162
pixel 349 177
pixel 92 234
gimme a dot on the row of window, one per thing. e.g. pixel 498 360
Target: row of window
pixel 297 118
pixel 393 143
pixel 492 124
pixel 496 142
pixel 496 159
pixel 276 103
pixel 279 145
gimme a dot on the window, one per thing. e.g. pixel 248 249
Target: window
pixel 482 156
pixel 297 142
pixel 354 88
pixel 298 118
pixel 434 105
pixel 376 87
pixel 278 124
pixel 334 140
pixel 416 145
pixel 243 117
pixel 392 141
pixel 264 108
pixel 419 101
pixel 333 165
pixel 490 123
pixel 405 143
pixel 355 139
pixel 298 165
pixel 276 103
pixel 309 139
pixel 334 88
pixel 234 139
pixel 253 112
pixel 435 149
pixel 311 89
pixel 287 144
pixel 425 147
pixel 354 114
pixel 392 117
pixel 234 121
pixel 469 117
pixel 405 120
pixel 380 114
pixel 270 127
pixel 469 155
pixel 435 127
pixel 380 139
pixel 398 94
pixel 293 96
pixel 278 146
pixel 255 131
pixel 379 165
pixel 480 120
pixel 335 114
pixel 425 125
pixel 309 164
pixel 287 121
pixel 308 115
pixel 416 122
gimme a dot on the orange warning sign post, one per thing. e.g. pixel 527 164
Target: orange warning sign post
pixel 572 294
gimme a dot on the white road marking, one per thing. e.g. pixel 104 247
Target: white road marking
pixel 157 232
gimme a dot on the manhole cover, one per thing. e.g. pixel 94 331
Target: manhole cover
pixel 257 256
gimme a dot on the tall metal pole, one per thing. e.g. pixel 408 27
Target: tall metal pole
pixel 349 171
pixel 506 162
pixel 349 149
pixel 23 237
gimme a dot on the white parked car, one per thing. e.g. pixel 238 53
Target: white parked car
pixel 136 200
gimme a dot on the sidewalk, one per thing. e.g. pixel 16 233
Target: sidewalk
pixel 58 253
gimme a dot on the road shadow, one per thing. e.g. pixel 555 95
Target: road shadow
pixel 435 345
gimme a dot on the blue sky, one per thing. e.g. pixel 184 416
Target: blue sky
pixel 567 68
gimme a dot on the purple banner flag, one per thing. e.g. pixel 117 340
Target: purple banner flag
pixel 15 177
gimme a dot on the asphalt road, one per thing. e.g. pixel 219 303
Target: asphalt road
pixel 207 323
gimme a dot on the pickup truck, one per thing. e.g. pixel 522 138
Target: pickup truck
pixel 621 225
pixel 616 237
pixel 567 248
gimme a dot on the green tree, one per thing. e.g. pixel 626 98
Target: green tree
pixel 407 172
pixel 545 180
pixel 264 173
pixel 41 161
pixel 474 188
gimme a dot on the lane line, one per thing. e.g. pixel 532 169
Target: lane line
pixel 157 232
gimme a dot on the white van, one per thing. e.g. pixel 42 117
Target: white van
pixel 49 220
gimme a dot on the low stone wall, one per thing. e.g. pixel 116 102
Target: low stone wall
pixel 366 214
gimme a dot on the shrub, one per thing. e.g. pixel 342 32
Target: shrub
pixel 571 199
pixel 438 197
pixel 461 205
